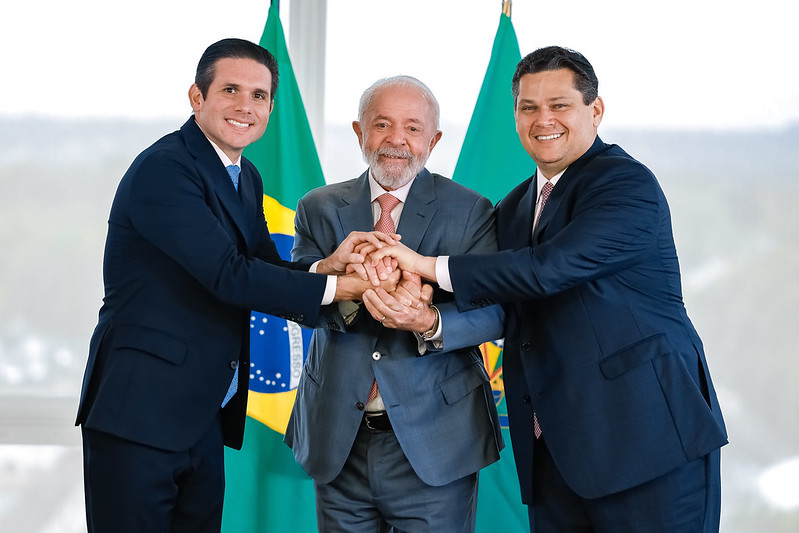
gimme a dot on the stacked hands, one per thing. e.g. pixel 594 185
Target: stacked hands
pixel 375 268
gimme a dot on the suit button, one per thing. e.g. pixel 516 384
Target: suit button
pixel 526 399
pixel 360 406
pixel 234 365
pixel 376 356
pixel 299 318
pixel 527 346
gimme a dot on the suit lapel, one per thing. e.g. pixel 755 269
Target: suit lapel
pixel 565 183
pixel 356 213
pixel 418 211
pixel 550 207
pixel 524 217
pixel 213 171
pixel 247 191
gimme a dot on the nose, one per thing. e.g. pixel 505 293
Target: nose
pixel 545 116
pixel 396 136
pixel 243 102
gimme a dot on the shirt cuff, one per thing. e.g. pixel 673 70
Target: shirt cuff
pixel 330 290
pixel 442 273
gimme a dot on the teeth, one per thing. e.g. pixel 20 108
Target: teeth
pixel 549 137
pixel 238 124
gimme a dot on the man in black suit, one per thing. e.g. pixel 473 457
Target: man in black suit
pixel 188 255
pixel 614 420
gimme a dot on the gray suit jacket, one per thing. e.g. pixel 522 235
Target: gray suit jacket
pixel 440 404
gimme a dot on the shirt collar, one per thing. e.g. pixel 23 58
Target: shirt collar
pixel 376 190
pixel 222 155
pixel 541 180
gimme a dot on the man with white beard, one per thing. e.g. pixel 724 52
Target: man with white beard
pixel 394 415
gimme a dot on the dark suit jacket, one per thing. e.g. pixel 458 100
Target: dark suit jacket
pixel 186 259
pixel 440 405
pixel 598 341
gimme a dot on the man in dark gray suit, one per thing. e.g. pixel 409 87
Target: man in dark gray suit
pixel 394 413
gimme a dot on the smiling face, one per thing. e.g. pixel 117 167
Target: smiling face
pixel 396 134
pixel 235 111
pixel 553 123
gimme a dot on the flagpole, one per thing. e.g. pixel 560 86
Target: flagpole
pixel 506 7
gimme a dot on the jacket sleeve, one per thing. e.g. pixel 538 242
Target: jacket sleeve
pixel 170 207
pixel 612 223
pixel 473 327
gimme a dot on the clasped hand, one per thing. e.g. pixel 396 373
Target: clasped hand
pixel 395 297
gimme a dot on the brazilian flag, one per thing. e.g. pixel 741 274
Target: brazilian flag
pixel 265 488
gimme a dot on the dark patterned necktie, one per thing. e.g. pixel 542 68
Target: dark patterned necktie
pixel 545 190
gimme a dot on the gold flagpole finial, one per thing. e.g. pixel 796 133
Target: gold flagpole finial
pixel 506 7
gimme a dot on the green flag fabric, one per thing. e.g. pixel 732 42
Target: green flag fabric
pixel 492 161
pixel 265 488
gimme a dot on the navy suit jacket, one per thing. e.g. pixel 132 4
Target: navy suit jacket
pixel 440 404
pixel 598 342
pixel 186 259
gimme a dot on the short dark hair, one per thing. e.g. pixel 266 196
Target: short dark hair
pixel 556 58
pixel 233 49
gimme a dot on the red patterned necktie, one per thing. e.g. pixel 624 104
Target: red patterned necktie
pixel 545 190
pixel 387 204
pixel 385 224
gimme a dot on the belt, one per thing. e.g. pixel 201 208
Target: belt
pixel 377 421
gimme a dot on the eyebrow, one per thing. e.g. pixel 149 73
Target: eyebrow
pixel 410 120
pixel 553 99
pixel 237 86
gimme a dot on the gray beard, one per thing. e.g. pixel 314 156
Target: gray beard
pixel 392 177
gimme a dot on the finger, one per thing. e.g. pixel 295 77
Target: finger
pixel 413 290
pixel 404 297
pixel 411 281
pixel 381 270
pixel 377 308
pixel 413 277
pixel 426 294
pixel 378 255
pixel 388 238
pixel 373 273
pixel 360 270
pixel 368 302
pixel 365 248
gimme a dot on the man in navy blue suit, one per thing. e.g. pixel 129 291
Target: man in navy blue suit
pixel 188 255
pixel 614 420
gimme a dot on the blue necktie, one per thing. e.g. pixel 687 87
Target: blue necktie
pixel 233 171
